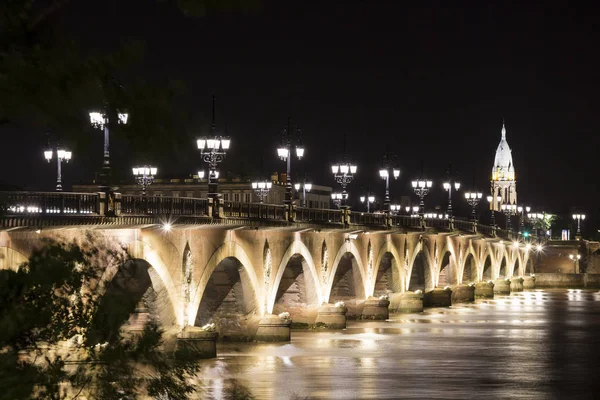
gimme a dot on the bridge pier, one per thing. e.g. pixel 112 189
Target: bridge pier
pixel 438 297
pixel 463 293
pixel 484 290
pixel 407 302
pixel 502 286
pixel 202 343
pixel 516 284
pixel 332 316
pixel 376 308
pixel 528 282
pixel 274 328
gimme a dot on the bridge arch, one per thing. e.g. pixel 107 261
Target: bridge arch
pixel 130 296
pixel 516 271
pixel 236 259
pixel 529 266
pixel 445 269
pixel 387 274
pixel 503 267
pixel 470 271
pixel 487 269
pixel 421 274
pixel 347 280
pixel 296 287
pixel 11 259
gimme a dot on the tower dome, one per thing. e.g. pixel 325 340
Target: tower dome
pixel 503 169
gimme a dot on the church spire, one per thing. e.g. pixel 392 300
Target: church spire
pixel 503 130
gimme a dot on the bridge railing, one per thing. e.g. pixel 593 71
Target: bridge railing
pixel 36 203
pixel 439 223
pixel 253 211
pixel 318 215
pixel 406 221
pixel 156 205
pixel 363 218
pixel 463 225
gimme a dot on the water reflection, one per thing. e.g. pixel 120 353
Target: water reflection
pixel 529 345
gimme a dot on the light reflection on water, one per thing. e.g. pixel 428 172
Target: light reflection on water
pixel 530 345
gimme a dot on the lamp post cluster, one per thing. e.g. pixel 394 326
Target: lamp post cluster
pixel 100 120
pixel 61 155
pixel 473 199
pixel 344 174
pixel 369 199
pixel 306 187
pixel 578 218
pixel 284 151
pixel 389 167
pixel 508 210
pixel 450 183
pixel 490 200
pixel 213 150
pixel 144 176
pixel 422 188
pixel 261 189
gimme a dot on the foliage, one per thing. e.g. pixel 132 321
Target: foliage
pixel 47 311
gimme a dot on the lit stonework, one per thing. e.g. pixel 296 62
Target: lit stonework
pixel 503 181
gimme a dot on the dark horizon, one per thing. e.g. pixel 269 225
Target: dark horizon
pixel 429 82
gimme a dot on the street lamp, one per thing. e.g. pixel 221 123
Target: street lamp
pixel 421 188
pixel 473 198
pixel 343 173
pixel 261 189
pixel 369 199
pixel 415 210
pixel 579 218
pixel 306 187
pixel 450 183
pixel 61 155
pixel 144 176
pixel 522 210
pixel 337 198
pixel 490 200
pixel 395 208
pixel 100 120
pixel 388 167
pixel 213 150
pixel 508 210
pixel 284 151
pixel 575 259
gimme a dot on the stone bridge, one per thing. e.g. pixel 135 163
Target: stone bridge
pixel 238 273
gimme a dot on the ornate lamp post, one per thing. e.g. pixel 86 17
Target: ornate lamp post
pixel 508 210
pixel 344 174
pixel 261 189
pixel 421 188
pixel 284 151
pixel 61 155
pixel 306 187
pixel 473 198
pixel 144 176
pixel 336 198
pixel 490 200
pixel 369 199
pixel 100 120
pixel 213 150
pixel 388 167
pixel 578 218
pixel 449 184
pixel 521 210
pixel 395 208
pixel 575 259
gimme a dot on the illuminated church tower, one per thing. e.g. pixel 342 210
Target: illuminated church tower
pixel 503 181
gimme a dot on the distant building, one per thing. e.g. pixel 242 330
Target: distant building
pixel 503 181
pixel 235 190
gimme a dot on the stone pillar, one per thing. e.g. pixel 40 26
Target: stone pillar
pixel 200 342
pixel 516 284
pixel 376 308
pixel 463 293
pixel 484 290
pixel 210 206
pixel 502 286
pixel 102 203
pixel 438 297
pixel 529 282
pixel 407 302
pixel 220 203
pixel 332 316
pixel 274 328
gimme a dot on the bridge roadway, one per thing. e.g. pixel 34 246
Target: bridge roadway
pixel 248 263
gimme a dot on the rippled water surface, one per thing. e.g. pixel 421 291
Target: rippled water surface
pixel 530 345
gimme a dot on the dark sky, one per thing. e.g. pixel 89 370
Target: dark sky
pixel 431 82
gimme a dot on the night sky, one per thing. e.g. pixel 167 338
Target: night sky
pixel 430 82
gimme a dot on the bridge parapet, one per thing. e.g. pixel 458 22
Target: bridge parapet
pixel 31 209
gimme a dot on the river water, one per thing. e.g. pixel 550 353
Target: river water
pixel 529 345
